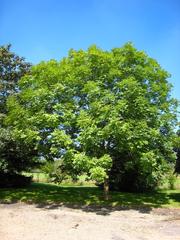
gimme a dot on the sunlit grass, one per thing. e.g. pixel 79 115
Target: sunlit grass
pixel 70 195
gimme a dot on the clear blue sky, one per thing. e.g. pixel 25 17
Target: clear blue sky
pixel 46 29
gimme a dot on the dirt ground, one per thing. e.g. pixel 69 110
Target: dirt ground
pixel 32 222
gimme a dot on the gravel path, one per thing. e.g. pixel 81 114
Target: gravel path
pixel 30 222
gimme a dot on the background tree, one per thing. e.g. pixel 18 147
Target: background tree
pixel 12 68
pixel 15 154
pixel 108 114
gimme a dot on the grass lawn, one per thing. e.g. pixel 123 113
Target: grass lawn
pixel 44 193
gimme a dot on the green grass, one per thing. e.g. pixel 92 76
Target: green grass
pixel 44 193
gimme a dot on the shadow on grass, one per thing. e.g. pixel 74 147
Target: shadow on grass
pixel 89 199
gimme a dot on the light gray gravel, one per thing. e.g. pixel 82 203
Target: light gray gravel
pixel 29 222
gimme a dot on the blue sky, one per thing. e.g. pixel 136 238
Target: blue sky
pixel 46 29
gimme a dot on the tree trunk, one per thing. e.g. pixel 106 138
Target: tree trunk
pixel 106 189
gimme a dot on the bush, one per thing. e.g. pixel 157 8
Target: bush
pixel 172 181
pixel 53 171
pixel 14 180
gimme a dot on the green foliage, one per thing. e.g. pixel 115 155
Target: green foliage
pixel 98 174
pixel 16 152
pixel 107 114
pixel 12 68
pixel 96 168
pixel 53 170
pixel 172 180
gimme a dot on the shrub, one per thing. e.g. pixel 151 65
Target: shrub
pixel 14 180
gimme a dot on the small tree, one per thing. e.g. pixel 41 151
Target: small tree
pixel 108 114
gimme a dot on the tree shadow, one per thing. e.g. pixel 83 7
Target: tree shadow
pixel 99 210
pixel 88 199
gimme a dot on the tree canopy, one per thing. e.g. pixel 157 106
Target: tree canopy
pixel 12 68
pixel 15 154
pixel 106 113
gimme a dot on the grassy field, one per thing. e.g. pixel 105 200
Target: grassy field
pixel 44 193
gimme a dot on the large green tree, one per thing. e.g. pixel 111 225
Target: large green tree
pixel 15 153
pixel 106 113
